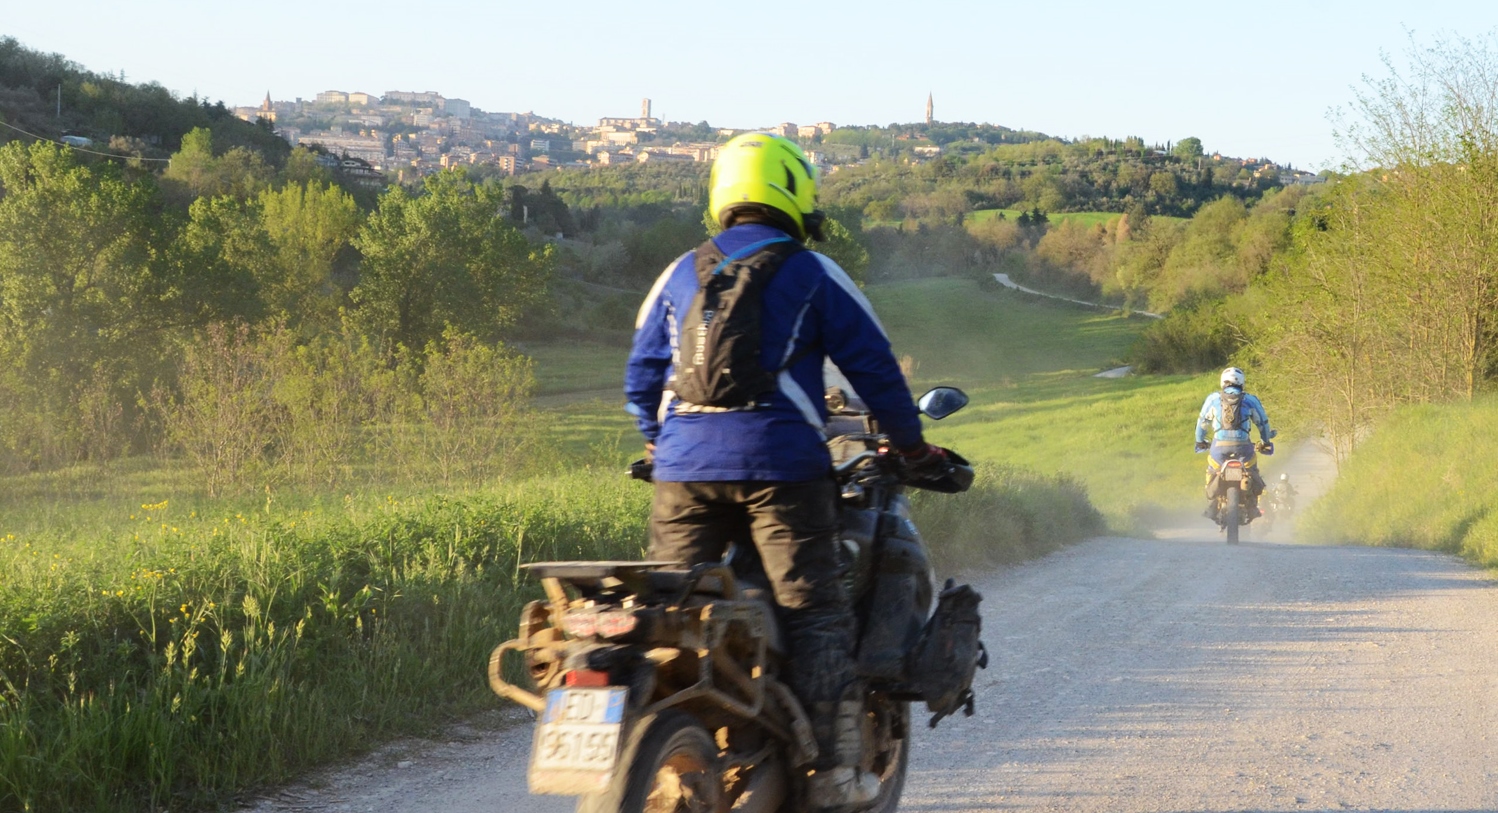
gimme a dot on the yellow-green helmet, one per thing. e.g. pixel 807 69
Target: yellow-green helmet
pixel 769 175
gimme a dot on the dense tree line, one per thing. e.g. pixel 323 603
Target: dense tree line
pixel 1052 175
pixel 111 277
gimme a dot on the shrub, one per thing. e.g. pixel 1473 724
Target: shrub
pixel 1192 338
pixel 1010 515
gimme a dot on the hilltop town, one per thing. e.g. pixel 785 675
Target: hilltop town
pixel 403 135
pixel 422 132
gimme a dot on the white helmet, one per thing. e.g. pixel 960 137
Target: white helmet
pixel 1232 377
pixel 1285 478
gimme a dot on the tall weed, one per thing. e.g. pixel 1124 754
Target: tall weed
pixel 195 656
pixel 1423 479
pixel 1010 515
pixel 222 419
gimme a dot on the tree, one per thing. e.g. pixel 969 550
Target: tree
pixel 1163 184
pixel 1188 149
pixel 1393 295
pixel 845 249
pixel 445 257
pixel 222 262
pixel 196 171
pixel 309 226
pixel 81 302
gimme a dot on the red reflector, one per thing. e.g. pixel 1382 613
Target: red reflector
pixel 586 677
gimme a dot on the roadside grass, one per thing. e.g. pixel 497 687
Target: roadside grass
pixel 1424 479
pixel 188 656
pixel 163 650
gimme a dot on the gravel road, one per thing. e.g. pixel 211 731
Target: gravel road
pixel 1174 675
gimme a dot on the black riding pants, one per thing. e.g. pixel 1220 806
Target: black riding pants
pixel 793 526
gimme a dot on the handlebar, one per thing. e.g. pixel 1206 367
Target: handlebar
pixel 848 466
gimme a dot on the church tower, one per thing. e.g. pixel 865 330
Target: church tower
pixel 929 117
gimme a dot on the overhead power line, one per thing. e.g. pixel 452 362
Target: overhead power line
pixel 81 149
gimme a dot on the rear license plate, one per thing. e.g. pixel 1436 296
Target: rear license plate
pixel 1232 474
pixel 577 740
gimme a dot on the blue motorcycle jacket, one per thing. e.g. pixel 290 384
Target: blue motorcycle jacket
pixel 811 311
pixel 1209 425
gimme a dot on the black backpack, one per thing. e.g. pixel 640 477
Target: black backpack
pixel 719 363
pixel 1232 416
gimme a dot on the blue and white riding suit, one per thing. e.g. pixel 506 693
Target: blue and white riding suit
pixel 812 311
pixel 1226 439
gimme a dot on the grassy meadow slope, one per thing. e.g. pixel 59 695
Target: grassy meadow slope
pixel 1037 404
pixel 1424 479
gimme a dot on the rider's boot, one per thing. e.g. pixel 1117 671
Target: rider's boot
pixel 837 780
pixel 1210 512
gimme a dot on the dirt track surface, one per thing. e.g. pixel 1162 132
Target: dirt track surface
pixel 1177 675
pixel 1173 675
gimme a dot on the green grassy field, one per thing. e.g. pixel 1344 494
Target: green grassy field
pixel 161 649
pixel 1037 405
pixel 1424 479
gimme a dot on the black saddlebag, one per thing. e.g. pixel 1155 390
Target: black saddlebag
pixel 943 662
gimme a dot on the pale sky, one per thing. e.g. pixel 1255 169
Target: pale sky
pixel 1247 78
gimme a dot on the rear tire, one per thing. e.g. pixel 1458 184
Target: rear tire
pixel 1230 513
pixel 669 765
pixel 891 762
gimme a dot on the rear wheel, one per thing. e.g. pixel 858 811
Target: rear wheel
pixel 1230 514
pixel 890 755
pixel 669 766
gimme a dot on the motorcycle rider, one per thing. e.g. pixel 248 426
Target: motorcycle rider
pixel 1223 427
pixel 1284 494
pixel 761 473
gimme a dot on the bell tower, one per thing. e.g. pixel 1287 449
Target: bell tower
pixel 929 117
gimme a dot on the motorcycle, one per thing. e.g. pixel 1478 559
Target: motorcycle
pixel 659 690
pixel 1231 487
pixel 1279 505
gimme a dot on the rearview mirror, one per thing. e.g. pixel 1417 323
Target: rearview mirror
pixel 940 402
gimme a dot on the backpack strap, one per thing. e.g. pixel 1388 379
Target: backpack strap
pixel 737 255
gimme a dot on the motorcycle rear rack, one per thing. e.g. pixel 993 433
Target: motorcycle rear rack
pixel 746 693
pixel 650 582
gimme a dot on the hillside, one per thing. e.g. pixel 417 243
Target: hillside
pixel 51 96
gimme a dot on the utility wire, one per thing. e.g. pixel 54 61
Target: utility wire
pixel 80 149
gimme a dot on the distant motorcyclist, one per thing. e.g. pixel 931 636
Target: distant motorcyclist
pixel 1223 428
pixel 731 469
pixel 1284 494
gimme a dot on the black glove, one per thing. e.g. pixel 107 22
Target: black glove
pixel 1266 448
pixel 1202 445
pixel 925 460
